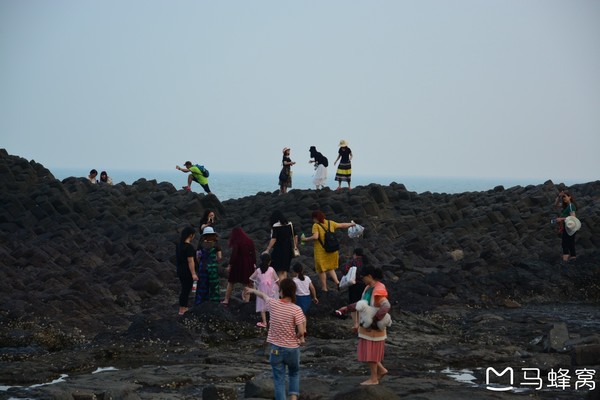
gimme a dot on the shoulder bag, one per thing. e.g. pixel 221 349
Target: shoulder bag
pixel 296 252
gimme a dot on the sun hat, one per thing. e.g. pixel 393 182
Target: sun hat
pixel 343 143
pixel 285 149
pixel 208 231
pixel 572 225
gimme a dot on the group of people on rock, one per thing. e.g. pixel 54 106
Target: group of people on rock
pixel 343 172
pixel 199 266
pixel 284 292
pixel 198 173
pixel 104 178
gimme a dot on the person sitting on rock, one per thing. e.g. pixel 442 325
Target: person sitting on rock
pixel 104 178
pixel 92 176
pixel 196 175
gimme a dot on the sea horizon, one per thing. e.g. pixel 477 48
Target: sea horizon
pixel 234 185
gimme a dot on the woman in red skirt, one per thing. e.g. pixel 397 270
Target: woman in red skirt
pixel 371 341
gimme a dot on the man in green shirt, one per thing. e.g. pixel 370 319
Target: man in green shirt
pixel 196 175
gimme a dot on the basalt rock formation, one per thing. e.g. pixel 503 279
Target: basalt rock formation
pixel 84 266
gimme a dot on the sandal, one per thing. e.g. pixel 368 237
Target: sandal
pixel 261 324
pixel 225 303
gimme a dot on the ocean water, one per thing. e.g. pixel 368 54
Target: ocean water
pixel 228 185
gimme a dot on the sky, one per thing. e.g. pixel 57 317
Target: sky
pixel 435 88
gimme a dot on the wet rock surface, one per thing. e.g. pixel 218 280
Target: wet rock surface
pixel 88 281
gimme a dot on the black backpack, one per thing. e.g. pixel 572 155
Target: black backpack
pixel 330 242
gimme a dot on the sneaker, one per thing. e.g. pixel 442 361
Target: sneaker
pixel 187 188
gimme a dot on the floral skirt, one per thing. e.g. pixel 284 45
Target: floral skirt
pixel 285 177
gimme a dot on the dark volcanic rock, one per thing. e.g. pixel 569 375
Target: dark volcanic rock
pixel 87 279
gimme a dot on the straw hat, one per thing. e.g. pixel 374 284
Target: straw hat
pixel 208 231
pixel 572 225
pixel 343 143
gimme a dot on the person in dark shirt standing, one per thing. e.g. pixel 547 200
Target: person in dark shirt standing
pixel 186 266
pixel 344 170
pixel 321 164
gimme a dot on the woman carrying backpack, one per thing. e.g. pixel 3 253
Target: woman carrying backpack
pixel 325 252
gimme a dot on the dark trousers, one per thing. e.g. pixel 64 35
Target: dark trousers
pixel 185 277
pixel 568 244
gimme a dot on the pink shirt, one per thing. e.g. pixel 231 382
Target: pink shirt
pixel 283 319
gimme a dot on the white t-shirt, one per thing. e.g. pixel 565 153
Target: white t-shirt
pixel 302 287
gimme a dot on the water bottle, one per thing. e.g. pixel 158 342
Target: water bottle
pixel 194 287
pixel 302 237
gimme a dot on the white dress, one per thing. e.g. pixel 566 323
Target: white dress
pixel 320 177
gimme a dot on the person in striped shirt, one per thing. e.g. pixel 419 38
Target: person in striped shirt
pixel 286 332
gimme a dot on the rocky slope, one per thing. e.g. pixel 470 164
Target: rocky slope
pixel 87 280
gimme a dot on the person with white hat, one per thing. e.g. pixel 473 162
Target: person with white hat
pixel 569 225
pixel 209 256
pixel 344 170
pixel 285 176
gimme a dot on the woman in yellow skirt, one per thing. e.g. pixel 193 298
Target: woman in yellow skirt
pixel 325 263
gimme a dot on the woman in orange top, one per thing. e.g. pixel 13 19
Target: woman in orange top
pixel 371 341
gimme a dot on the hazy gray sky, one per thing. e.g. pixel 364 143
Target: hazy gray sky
pixel 462 88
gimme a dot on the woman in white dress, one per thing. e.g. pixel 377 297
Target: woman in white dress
pixel 321 164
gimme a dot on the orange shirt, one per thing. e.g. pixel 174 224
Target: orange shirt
pixel 375 296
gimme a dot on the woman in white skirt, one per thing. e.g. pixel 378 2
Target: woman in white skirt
pixel 321 165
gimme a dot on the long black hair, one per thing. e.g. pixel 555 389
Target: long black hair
pixel 204 218
pixel 277 216
pixel 299 269
pixel 265 262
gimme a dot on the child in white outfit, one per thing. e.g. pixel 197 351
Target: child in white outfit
pixel 304 290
